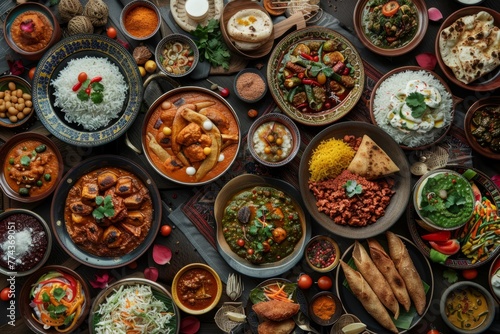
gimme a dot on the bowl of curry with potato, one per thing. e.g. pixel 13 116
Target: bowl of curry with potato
pixel 191 135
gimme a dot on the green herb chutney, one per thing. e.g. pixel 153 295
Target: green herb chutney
pixel 446 200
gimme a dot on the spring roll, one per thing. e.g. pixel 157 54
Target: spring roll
pixel 388 269
pixel 375 279
pixel 401 258
pixel 367 297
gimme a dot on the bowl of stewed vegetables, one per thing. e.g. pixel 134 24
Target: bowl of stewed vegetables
pixel 176 55
pixel 391 27
pixel 262 228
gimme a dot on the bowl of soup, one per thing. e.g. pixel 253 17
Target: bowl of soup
pixel 196 288
pixel 467 307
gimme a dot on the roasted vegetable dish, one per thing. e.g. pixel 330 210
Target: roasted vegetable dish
pixel 486 127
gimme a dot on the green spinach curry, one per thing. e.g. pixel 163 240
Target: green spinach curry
pixel 390 24
pixel 262 225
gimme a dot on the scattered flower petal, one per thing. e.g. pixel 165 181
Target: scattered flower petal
pixel 161 254
pixel 434 14
pixel 496 179
pixel 16 67
pixel 101 281
pixel 426 60
pixel 123 43
pixel 190 325
pixel 151 273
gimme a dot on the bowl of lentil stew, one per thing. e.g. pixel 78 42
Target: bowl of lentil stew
pixel 28 237
pixel 250 85
pixel 322 253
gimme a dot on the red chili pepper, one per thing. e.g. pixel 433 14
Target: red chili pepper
pixel 437 236
pixel 306 56
pixel 310 82
pixel 72 284
pixel 77 86
pixel 96 79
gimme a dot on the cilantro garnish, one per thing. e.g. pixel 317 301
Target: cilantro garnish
pixel 353 188
pixel 454 203
pixel 55 311
pixel 105 207
pixel 59 294
pixel 91 90
pixel 416 101
pixel 211 44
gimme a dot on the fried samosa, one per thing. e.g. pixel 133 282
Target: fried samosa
pixel 401 258
pixel 388 269
pixel 367 297
pixel 276 310
pixel 375 279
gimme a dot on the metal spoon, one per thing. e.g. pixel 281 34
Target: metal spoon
pixel 303 322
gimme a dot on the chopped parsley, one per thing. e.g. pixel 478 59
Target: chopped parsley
pixel 211 44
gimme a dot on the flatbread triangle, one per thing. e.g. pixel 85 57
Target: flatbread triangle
pixel 371 161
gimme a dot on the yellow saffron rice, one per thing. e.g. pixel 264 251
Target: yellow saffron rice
pixel 329 159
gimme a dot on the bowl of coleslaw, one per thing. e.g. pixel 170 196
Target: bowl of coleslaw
pixel 134 305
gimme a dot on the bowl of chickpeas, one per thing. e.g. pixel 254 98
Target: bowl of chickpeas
pixel 16 106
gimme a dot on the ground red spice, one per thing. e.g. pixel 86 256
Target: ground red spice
pixel 250 86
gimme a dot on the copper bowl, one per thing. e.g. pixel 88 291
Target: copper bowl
pixel 469 126
pixel 486 83
pixel 423 22
pixel 40 10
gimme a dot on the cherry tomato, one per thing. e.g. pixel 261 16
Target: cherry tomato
pixel 325 283
pixel 304 281
pixel 241 242
pixel 166 230
pixel 4 294
pixel 469 273
pixel 390 8
pixel 111 32
pixel 31 73
pixel 82 77
pixel 433 331
pixel 250 251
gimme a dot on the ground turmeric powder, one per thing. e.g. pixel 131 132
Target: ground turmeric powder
pixel 324 307
pixel 141 21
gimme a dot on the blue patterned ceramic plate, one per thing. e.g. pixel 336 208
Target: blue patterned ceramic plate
pixel 56 59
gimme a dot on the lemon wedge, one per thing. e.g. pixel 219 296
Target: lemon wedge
pixel 237 317
pixel 354 328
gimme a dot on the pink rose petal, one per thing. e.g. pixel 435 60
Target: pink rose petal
pixel 496 179
pixel 426 60
pixel 151 273
pixel 190 325
pixel 434 14
pixel 101 281
pixel 161 254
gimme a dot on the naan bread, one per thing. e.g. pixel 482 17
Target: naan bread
pixel 375 279
pixel 367 297
pixel 250 25
pixel 470 46
pixel 371 161
pixel 247 46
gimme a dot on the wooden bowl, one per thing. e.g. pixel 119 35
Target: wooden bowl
pixel 27 312
pixel 233 8
pixel 25 86
pixel 493 101
pixel 42 12
pixel 359 26
pixel 486 83
pixel 54 167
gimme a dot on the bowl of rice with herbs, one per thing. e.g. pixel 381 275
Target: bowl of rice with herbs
pixel 413 105
pixel 87 90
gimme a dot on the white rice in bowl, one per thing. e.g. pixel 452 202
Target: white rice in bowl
pixel 91 116
pixel 397 87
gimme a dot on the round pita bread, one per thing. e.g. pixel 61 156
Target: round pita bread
pixel 250 25
pixel 247 46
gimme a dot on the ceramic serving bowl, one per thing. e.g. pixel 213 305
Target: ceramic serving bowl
pixel 33 242
pixel 177 55
pixel 77 294
pixel 22 43
pixel 479 131
pixel 212 286
pixel 322 253
pixel 494 278
pixel 469 2
pixel 255 81
pixel 480 302
pixel 274 140
pixel 325 308
pixel 381 46
pixel 130 10
pixel 486 83
pixel 24 110
pixel 440 185
pixel 238 185
pixel 143 208
pixel 159 294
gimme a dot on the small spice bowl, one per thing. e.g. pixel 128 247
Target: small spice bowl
pixel 325 308
pixel 24 108
pixel 274 140
pixel 322 253
pixel 177 55
pixel 250 85
pixel 33 242
pixel 135 25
